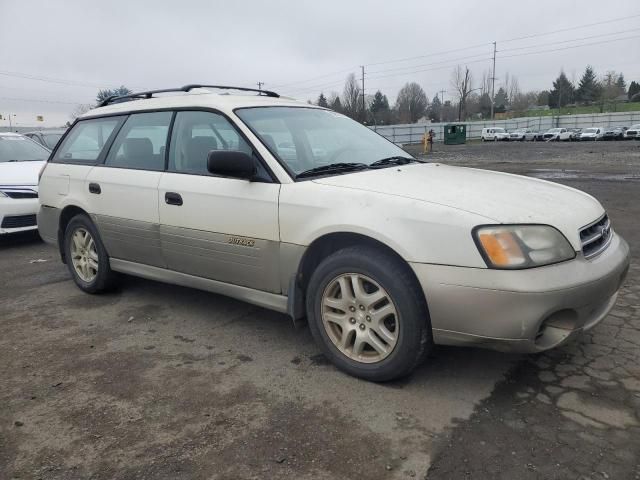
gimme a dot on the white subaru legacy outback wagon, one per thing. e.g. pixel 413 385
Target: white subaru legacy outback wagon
pixel 301 210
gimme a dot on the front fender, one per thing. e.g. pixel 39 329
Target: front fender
pixel 418 231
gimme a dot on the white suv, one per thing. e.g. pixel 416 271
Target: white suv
pixel 299 209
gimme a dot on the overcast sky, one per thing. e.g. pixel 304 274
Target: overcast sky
pixel 295 47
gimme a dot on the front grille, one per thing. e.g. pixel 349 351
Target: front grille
pixel 20 193
pixel 596 237
pixel 19 221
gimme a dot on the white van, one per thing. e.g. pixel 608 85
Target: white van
pixel 495 134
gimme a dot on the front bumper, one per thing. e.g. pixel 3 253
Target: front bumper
pixel 522 310
pixel 16 214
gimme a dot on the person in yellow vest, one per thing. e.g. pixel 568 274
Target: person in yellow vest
pixel 427 141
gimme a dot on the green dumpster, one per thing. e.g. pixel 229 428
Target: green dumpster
pixel 455 134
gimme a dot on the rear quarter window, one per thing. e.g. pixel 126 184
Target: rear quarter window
pixel 86 141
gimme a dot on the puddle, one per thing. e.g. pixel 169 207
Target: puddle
pixel 550 174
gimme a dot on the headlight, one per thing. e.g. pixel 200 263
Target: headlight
pixel 522 246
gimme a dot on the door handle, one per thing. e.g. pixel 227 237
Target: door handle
pixel 172 198
pixel 95 188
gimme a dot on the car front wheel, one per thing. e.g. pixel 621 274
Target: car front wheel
pixel 86 256
pixel 368 314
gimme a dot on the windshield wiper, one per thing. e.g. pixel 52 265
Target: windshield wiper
pixel 396 160
pixel 333 168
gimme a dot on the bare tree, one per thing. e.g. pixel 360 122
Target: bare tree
pixel 80 110
pixel 462 82
pixel 411 103
pixel 512 87
pixel 485 85
pixel 352 98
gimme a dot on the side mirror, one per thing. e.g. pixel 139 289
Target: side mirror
pixel 227 163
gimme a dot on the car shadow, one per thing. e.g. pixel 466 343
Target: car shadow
pixel 19 240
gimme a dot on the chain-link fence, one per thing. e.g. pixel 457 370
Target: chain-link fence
pixel 412 133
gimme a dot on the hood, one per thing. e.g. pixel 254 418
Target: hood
pixel 499 197
pixel 20 173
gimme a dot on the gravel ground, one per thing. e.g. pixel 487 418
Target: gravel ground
pixel 161 382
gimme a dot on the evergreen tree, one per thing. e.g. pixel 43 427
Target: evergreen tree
pixel 543 98
pixel 322 101
pixel 379 102
pixel 589 88
pixel 118 92
pixel 485 105
pixel 336 104
pixel 379 108
pixel 562 93
pixel 621 84
pixel 500 101
pixel 634 91
pixel 435 109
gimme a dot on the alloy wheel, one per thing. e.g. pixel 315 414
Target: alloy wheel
pixel 360 318
pixel 84 255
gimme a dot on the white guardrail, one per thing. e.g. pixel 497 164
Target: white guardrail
pixel 406 134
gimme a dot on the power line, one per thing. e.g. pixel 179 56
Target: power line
pixel 428 69
pixel 72 83
pixel 297 82
pixel 570 28
pixel 406 59
pixel 569 47
pixel 430 64
pixel 315 87
pixel 470 47
pixel 39 100
pixel 571 40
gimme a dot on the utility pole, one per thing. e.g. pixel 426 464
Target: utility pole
pixel 364 108
pixel 441 103
pixel 260 86
pixel 493 80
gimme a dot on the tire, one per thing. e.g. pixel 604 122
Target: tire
pixel 495 139
pixel 409 323
pixel 92 251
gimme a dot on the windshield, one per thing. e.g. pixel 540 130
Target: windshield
pixel 498 130
pixel 307 138
pixel 591 130
pixel 20 149
pixel 554 130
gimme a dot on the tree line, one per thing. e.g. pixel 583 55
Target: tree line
pixel 472 100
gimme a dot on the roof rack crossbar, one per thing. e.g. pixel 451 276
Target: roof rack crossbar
pixel 186 88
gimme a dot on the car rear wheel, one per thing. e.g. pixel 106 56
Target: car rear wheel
pixel 86 256
pixel 368 314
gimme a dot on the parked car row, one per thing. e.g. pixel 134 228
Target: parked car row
pixel 21 159
pixel 499 134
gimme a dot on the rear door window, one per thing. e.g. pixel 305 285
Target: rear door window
pixel 86 140
pixel 141 142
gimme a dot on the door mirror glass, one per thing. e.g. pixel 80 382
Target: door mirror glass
pixel 229 163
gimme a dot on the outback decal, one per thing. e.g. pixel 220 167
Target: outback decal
pixel 243 242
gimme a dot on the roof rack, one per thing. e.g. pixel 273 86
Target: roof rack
pixel 186 88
